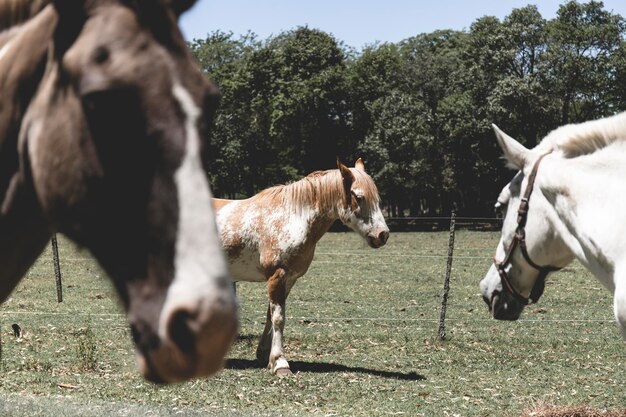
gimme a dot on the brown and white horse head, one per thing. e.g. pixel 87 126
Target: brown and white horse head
pixel 361 205
pixel 114 139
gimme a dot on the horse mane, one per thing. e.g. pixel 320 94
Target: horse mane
pixel 585 138
pixel 14 12
pixel 321 189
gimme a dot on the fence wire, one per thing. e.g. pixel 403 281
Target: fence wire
pixel 466 255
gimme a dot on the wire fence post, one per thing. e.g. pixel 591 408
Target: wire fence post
pixel 446 281
pixel 57 267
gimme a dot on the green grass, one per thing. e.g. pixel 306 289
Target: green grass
pixel 360 335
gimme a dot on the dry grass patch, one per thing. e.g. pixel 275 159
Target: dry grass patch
pixel 571 411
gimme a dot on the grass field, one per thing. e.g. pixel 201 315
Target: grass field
pixel 361 335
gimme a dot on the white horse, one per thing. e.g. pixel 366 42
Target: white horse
pixel 577 177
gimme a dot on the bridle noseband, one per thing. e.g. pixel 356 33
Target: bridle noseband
pixel 520 239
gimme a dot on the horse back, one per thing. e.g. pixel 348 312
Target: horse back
pixel 218 203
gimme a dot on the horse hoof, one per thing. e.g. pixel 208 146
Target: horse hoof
pixel 283 372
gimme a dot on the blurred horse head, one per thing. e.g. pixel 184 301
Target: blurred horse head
pixel 102 122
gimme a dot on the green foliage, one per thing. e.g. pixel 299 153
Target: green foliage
pixel 419 111
pixel 580 64
pixel 400 149
pixel 284 108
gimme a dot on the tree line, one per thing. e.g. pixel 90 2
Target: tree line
pixel 419 112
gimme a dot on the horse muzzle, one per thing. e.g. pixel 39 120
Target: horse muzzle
pixel 377 239
pixel 191 343
pixel 503 307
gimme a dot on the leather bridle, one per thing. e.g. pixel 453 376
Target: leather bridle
pixel 520 239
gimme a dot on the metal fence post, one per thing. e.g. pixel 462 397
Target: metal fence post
pixel 446 281
pixel 57 267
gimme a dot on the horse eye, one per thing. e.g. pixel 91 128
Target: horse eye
pixel 499 209
pixel 101 55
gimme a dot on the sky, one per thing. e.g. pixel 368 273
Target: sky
pixel 355 22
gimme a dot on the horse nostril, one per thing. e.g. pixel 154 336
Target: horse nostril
pixel 135 334
pixel 145 339
pixel 383 236
pixel 181 333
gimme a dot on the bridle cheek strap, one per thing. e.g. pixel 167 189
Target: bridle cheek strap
pixel 520 239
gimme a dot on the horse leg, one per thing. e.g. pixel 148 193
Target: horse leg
pixel 619 306
pixel 265 343
pixel 275 325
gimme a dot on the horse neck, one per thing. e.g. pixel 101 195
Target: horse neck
pixel 580 220
pixel 583 242
pixel 316 198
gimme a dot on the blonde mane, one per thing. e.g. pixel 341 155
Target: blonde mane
pixel 320 189
pixel 585 138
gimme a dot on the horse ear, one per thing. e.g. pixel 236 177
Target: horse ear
pixel 348 178
pixel 514 152
pixel 23 59
pixel 359 165
pixel 504 197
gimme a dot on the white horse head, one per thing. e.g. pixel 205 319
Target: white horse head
pixel 529 246
pixel 565 202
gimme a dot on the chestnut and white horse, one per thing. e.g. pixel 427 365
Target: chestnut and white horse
pixel 566 202
pixel 271 237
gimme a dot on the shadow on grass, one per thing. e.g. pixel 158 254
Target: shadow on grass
pixel 322 367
